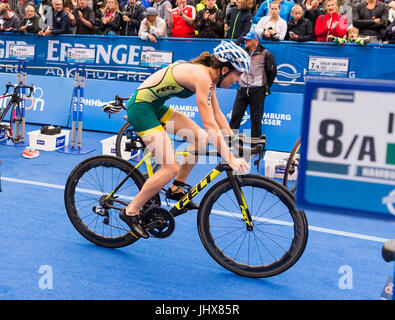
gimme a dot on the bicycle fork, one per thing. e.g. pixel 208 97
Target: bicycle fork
pixel 240 199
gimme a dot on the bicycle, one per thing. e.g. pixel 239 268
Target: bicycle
pixel 247 223
pixel 292 166
pixel 11 131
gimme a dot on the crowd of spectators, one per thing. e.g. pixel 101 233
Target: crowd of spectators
pixel 273 20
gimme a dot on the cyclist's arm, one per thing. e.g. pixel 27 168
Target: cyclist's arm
pixel 203 101
pixel 219 115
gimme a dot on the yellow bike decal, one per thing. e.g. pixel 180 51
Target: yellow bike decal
pixel 199 187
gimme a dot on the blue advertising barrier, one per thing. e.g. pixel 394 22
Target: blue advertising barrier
pixel 51 104
pixel 372 61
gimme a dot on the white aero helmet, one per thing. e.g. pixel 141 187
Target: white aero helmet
pixel 228 51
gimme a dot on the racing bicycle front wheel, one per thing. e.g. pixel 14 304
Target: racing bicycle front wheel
pixel 277 239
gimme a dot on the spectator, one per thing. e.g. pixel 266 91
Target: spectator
pixel 31 21
pixel 111 19
pixel 208 22
pixel 389 34
pixel 299 28
pixel 331 23
pixel 345 8
pixel 391 12
pixel 264 8
pixel 228 7
pixel 351 37
pixel 163 7
pixel 97 6
pixel 239 20
pixel 371 18
pixel 203 4
pixel 152 27
pixel 9 21
pixel 132 15
pixel 272 27
pixel 182 20
pixel 83 18
pixel 69 5
pixel 19 7
pixel 254 85
pixel 313 9
pixel 60 20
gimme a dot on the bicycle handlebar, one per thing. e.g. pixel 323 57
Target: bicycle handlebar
pixel 18 86
pixel 239 142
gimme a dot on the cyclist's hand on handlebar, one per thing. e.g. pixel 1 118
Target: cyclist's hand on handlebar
pixel 239 165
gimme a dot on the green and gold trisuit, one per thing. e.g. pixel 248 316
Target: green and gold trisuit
pixel 146 110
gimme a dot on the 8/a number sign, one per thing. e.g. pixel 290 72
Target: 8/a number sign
pixel 348 147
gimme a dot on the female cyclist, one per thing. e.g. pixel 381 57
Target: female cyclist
pixel 151 119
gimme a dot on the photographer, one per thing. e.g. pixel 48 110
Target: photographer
pixel 209 22
pixel 83 18
pixel 132 15
pixel 254 85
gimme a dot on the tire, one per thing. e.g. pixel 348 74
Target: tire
pixel 87 183
pixel 15 107
pixel 290 168
pixel 118 148
pixel 277 240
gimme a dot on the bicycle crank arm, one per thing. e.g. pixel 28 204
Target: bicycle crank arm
pixel 157 223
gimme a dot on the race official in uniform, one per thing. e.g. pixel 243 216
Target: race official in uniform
pixel 254 85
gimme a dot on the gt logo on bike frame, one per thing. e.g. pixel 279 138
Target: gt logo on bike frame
pixel 199 187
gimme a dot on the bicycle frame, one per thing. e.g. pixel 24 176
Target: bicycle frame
pixel 179 207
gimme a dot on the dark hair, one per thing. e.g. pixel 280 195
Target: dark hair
pixel 209 60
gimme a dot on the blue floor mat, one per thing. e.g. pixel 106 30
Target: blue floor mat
pixel 44 257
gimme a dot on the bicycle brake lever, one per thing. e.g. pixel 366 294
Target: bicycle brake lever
pixel 31 90
pixel 7 87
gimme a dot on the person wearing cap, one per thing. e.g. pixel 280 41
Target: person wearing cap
pixel 152 26
pixel 153 121
pixel 254 85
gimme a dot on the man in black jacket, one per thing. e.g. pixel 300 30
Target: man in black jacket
pixel 209 21
pixel 60 20
pixel 132 15
pixel 254 85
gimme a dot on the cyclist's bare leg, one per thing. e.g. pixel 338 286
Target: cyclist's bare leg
pixel 184 127
pixel 159 144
